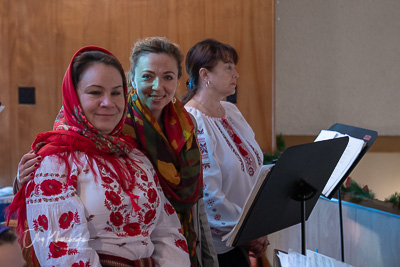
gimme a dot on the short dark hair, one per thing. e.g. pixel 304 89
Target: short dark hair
pixel 87 58
pixel 157 45
pixel 205 54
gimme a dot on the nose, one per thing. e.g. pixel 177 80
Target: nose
pixel 156 84
pixel 236 74
pixel 106 101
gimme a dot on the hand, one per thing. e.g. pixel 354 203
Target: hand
pixel 257 247
pixel 26 167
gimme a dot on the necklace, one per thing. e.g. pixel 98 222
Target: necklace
pixel 211 112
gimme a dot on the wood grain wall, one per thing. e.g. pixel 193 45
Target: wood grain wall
pixel 38 39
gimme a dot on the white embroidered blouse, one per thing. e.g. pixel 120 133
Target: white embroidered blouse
pixel 74 218
pixel 231 161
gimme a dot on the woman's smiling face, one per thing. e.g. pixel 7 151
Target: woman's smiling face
pixel 101 95
pixel 156 80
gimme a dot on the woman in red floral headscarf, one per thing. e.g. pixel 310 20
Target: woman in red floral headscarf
pixel 96 199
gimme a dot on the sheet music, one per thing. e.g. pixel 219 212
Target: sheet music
pixel 296 259
pixel 350 154
pixel 312 259
pixel 319 260
pixel 283 259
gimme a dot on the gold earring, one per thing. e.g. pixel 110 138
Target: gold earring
pixel 174 100
pixel 208 83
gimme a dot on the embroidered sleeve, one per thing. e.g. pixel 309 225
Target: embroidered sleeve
pixel 222 213
pixel 56 217
pixel 170 247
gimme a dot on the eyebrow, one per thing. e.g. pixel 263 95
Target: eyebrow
pixel 165 72
pixel 99 86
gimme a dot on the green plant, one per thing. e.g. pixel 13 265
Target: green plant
pixel 357 192
pixel 280 147
pixel 394 199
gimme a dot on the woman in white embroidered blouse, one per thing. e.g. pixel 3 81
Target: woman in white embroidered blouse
pixel 231 157
pixel 96 199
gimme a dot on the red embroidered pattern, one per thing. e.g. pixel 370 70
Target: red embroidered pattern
pixel 232 148
pixel 124 220
pixel 180 243
pixel 69 219
pixel 41 224
pixel 116 218
pixel 169 209
pixel 59 249
pixel 259 159
pixel 51 187
pixel 204 151
pixel 81 264
pixel 251 165
pixel 52 190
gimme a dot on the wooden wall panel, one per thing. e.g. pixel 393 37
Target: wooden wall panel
pixel 6 128
pixel 38 39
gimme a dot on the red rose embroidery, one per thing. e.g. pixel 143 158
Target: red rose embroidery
pixel 169 209
pixel 107 180
pixel 58 249
pixel 66 219
pixel 152 195
pixel 42 221
pixel 181 243
pixel 116 218
pixel 78 264
pixel 113 197
pixel 148 217
pixel 51 187
pixel 132 229
pixel 144 177
pixel 73 180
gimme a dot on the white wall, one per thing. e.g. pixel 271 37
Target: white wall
pixel 337 61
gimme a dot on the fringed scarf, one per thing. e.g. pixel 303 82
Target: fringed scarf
pixel 175 155
pixel 73 132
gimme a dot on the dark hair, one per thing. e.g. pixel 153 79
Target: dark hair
pixel 7 236
pixel 88 58
pixel 157 45
pixel 205 54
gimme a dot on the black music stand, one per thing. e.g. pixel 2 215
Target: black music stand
pixel 369 137
pixel 295 182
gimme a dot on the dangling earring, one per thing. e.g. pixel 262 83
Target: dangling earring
pixel 134 97
pixel 174 100
pixel 208 83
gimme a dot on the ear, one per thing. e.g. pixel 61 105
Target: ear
pixel 203 74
